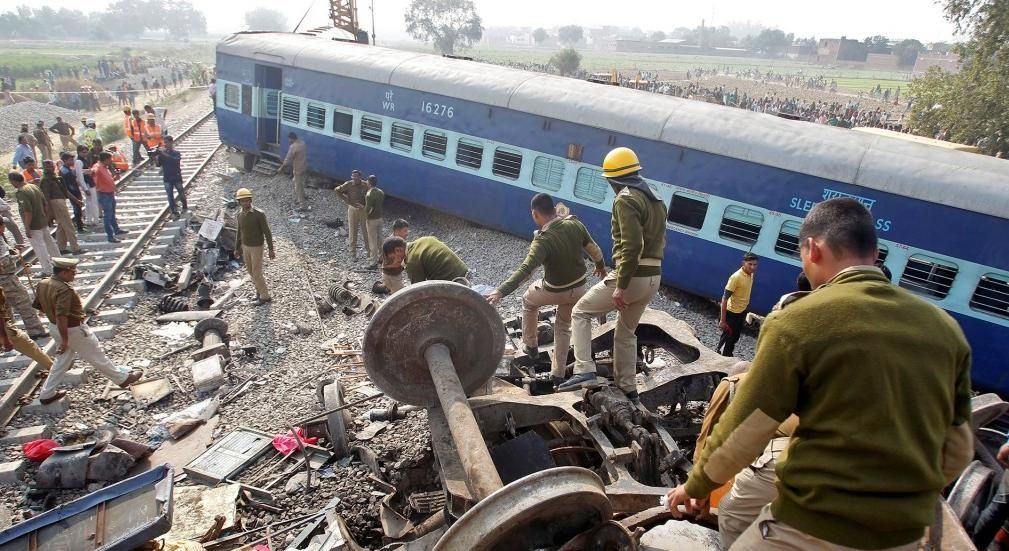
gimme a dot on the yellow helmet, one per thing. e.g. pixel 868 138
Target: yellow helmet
pixel 244 193
pixel 620 162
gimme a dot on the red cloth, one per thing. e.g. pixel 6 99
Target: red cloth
pixel 104 182
pixel 39 450
pixel 285 443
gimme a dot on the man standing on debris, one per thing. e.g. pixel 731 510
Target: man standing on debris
pixel 56 195
pixel 374 199
pixel 253 231
pixel 62 305
pixel 353 193
pixel 734 305
pixel 170 161
pixel 16 296
pixel 66 134
pixel 35 216
pixel 906 386
pixel 425 259
pixel 44 141
pixel 557 246
pixel 639 238
pixel 105 185
pixel 297 159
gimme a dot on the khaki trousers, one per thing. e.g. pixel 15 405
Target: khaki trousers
pixel 599 300
pixel 66 236
pixel 535 297
pixel 19 301
pixel 68 143
pixel 299 189
pixel 754 487
pixel 84 344
pixel 253 257
pixel 356 222
pixel 375 239
pixel 393 282
pixel 766 533
pixel 23 344
pixel 44 247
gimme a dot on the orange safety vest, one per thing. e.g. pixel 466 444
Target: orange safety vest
pixel 126 125
pixel 153 134
pixel 136 132
pixel 29 177
pixel 119 161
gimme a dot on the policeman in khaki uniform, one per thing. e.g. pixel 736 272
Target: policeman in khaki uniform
pixel 16 295
pixel 353 193
pixel 638 228
pixel 15 339
pixel 374 199
pixel 253 232
pixel 62 305
pixel 558 247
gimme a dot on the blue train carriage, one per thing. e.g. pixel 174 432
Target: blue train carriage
pixel 477 141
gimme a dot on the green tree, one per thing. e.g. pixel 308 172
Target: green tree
pixel 972 105
pixel 878 44
pixel 265 19
pixel 570 34
pixel 772 42
pixel 449 24
pixel 540 36
pixel 907 51
pixel 179 18
pixel 566 61
pixel 658 36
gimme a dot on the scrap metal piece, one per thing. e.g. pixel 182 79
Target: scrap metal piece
pixel 208 373
pixel 564 500
pixel 191 315
pixel 611 536
pixel 970 492
pixel 332 397
pixel 149 392
pixel 426 502
pixel 67 467
pixel 236 451
pixel 119 517
pixel 986 408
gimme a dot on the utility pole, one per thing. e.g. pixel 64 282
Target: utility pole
pixel 373 23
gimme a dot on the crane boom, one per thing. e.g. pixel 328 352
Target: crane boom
pixel 343 13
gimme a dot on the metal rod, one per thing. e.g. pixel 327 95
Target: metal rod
pixel 304 454
pixel 329 412
pixel 481 474
pixel 298 522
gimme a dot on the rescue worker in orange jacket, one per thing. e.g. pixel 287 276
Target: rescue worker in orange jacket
pixel 136 134
pixel 119 161
pixel 152 133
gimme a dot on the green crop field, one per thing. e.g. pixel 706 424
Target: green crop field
pixel 26 59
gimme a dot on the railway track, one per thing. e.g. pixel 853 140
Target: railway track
pixel 142 210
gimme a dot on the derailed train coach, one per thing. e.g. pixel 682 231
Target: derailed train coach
pixel 477 141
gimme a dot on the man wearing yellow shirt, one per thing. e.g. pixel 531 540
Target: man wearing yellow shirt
pixel 735 301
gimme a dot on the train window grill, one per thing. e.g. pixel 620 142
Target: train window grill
pixel 290 110
pixel 402 137
pixel 469 153
pixel 272 103
pixel 788 239
pixel 548 173
pixel 315 116
pixel 590 185
pixel 928 276
pixel 992 295
pixel 507 163
pixel 343 123
pixel 231 96
pixel 741 224
pixel 371 130
pixel 883 251
pixel 435 145
pixel 688 210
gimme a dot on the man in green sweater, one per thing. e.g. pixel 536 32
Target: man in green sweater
pixel 558 247
pixel 638 228
pixel 425 259
pixel 885 407
pixel 253 232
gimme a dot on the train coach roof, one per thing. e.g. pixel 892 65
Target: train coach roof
pixel 963 180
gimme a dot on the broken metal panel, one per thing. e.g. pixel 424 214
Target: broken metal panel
pixel 236 451
pixel 119 517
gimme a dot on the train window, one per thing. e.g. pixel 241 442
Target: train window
pixel 590 185
pixel 992 295
pixel 883 251
pixel 548 173
pixel 788 239
pixel 469 153
pixel 928 276
pixel 435 145
pixel 272 103
pixel 371 129
pixel 315 116
pixel 343 123
pixel 687 209
pixel 507 163
pixel 741 224
pixel 402 137
pixel 231 93
pixel 290 110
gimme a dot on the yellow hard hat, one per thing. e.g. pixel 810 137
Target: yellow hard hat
pixel 244 193
pixel 620 162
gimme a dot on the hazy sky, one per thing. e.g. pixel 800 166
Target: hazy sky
pixel 921 19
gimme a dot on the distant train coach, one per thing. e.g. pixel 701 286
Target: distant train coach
pixel 477 141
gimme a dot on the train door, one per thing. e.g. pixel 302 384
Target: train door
pixel 269 81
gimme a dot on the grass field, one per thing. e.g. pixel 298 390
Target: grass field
pixel 676 66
